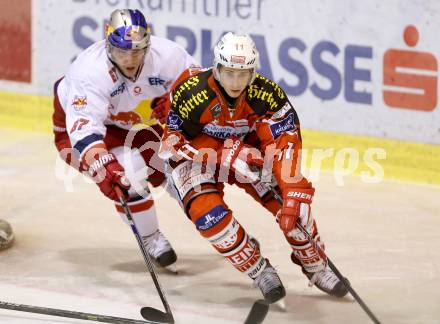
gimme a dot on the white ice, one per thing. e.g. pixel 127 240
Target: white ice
pixel 73 252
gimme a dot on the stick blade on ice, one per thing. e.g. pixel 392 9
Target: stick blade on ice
pixel 258 312
pixel 155 315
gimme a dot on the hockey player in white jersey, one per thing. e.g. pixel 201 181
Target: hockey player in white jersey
pixel 112 86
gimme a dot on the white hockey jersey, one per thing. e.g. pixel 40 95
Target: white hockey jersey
pixel 94 93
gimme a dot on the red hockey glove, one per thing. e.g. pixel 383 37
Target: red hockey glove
pixel 289 213
pixel 159 106
pixel 108 173
pixel 237 156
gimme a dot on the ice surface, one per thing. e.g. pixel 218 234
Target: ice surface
pixel 73 252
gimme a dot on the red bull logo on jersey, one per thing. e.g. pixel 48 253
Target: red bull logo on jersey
pixel 79 102
pixel 128 118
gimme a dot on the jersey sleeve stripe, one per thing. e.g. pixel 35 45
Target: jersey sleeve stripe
pixel 86 142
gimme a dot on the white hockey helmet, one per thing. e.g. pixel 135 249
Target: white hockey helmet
pixel 237 52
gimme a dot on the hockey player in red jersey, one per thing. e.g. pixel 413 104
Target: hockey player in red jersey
pixel 224 123
pixel 106 93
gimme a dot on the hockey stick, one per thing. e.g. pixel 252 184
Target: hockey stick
pixel 149 313
pixel 258 312
pixel 330 263
pixel 70 314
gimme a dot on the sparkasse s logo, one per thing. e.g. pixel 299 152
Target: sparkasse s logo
pixel 410 77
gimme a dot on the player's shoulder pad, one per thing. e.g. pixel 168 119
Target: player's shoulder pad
pixel 265 95
pixel 164 47
pixel 192 94
pixel 92 66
